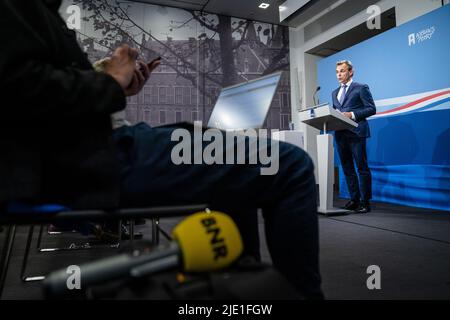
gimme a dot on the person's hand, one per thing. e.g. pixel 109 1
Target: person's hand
pixel 348 114
pixel 154 65
pixel 140 77
pixel 121 66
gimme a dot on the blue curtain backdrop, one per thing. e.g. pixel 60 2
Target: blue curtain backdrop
pixel 408 71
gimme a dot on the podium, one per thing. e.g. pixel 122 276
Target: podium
pixel 326 118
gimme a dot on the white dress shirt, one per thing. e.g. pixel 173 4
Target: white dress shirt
pixel 341 92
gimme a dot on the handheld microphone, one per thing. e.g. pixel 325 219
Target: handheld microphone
pixel 202 242
pixel 314 96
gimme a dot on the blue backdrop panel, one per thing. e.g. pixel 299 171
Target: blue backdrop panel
pixel 408 71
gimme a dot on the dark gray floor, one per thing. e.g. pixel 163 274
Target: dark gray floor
pixel 411 246
pixel 411 249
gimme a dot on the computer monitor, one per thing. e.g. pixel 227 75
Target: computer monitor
pixel 245 105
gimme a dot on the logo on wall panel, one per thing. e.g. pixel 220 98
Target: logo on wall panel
pixel 425 101
pixel 421 36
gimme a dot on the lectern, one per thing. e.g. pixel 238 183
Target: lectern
pixel 326 118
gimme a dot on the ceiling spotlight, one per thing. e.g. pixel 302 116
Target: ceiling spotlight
pixel 282 8
pixel 264 5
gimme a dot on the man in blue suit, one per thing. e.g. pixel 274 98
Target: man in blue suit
pixel 355 101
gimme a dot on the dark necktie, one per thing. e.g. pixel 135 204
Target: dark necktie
pixel 343 94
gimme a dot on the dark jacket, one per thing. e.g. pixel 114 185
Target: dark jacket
pixel 358 100
pixel 55 135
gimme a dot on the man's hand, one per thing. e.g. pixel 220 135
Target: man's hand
pixel 141 74
pixel 347 114
pixel 121 66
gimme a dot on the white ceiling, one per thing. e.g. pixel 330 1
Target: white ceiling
pixel 247 9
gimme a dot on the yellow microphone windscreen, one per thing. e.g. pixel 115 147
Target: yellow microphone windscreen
pixel 208 241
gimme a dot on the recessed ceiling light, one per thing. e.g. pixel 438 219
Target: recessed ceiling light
pixel 264 5
pixel 281 8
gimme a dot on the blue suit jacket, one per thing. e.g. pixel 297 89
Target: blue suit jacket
pixel 358 100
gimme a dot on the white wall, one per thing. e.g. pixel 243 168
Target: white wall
pixel 410 9
pixel 304 65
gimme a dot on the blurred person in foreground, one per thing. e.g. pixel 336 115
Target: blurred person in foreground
pixel 58 145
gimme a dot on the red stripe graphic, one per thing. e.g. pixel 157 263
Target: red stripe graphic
pixel 415 102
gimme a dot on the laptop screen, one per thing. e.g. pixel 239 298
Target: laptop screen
pixel 246 105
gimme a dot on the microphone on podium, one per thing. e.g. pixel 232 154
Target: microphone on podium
pixel 314 96
pixel 202 242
